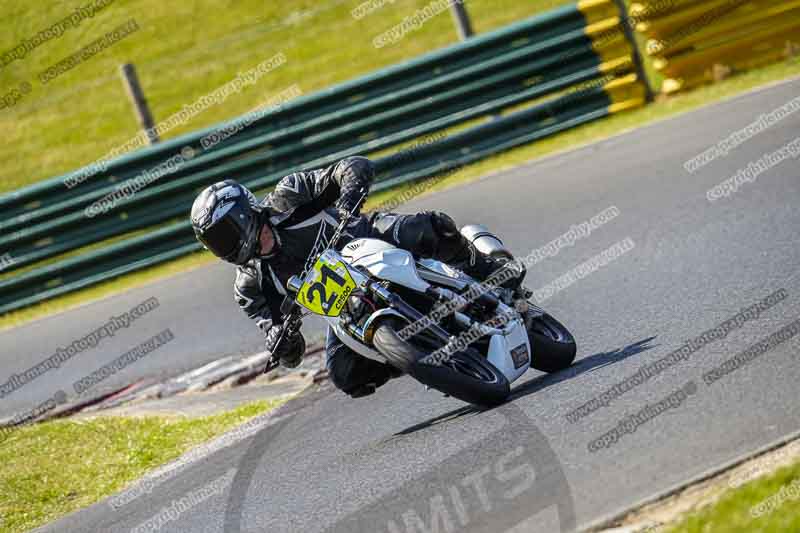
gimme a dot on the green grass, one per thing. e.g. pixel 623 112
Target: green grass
pixel 732 513
pixel 50 469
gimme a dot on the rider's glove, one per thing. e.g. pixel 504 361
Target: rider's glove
pixel 352 203
pixel 287 348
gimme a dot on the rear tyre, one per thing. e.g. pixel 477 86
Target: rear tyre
pixel 553 345
pixel 465 375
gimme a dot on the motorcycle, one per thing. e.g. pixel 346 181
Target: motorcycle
pixel 380 300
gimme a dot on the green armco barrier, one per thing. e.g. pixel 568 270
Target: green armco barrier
pixel 88 281
pixel 162 202
pixel 472 145
pixel 529 62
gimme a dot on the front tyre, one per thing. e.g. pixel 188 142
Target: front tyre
pixel 465 375
pixel 552 344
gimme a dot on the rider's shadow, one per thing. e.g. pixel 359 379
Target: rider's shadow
pixel 587 364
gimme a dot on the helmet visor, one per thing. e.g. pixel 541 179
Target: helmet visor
pixel 228 234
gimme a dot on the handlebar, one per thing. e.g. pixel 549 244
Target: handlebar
pixel 290 309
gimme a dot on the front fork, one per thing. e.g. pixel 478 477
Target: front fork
pixel 407 311
pixel 516 298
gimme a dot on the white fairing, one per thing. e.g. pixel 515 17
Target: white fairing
pixel 384 261
pixel 358 248
pixel 500 347
pixel 443 268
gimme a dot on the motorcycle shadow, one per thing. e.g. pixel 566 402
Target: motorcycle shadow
pixel 538 383
pixel 587 364
pixel 443 418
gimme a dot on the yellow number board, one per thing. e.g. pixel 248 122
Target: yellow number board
pixel 326 287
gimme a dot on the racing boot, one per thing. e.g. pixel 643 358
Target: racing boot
pixel 456 250
pixel 482 266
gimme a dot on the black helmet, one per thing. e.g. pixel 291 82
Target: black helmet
pixel 226 220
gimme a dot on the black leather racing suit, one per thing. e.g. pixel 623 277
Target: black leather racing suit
pixel 302 205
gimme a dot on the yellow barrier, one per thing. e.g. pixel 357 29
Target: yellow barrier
pixel 625 93
pixel 695 42
pixel 626 83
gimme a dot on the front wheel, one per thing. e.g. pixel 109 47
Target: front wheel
pixel 464 375
pixel 552 344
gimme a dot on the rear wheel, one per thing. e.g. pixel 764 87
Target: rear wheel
pixel 465 375
pixel 552 344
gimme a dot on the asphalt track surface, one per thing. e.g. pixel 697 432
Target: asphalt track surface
pixel 406 459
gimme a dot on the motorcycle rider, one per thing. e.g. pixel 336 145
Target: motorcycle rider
pixel 271 240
